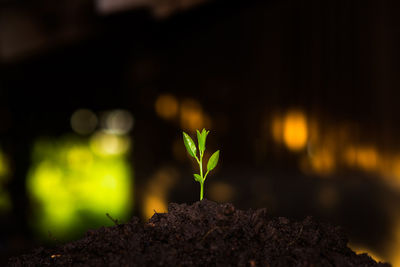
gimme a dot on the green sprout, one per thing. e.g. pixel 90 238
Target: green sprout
pixel 191 149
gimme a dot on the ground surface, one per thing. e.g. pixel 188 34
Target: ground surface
pixel 205 234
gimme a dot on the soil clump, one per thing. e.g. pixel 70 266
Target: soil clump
pixel 205 234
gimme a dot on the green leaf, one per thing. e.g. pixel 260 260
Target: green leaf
pixel 201 138
pixel 200 141
pixel 204 134
pixel 197 178
pixel 213 161
pixel 189 144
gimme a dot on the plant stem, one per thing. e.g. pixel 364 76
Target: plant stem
pixel 205 176
pixel 201 191
pixel 201 174
pixel 201 167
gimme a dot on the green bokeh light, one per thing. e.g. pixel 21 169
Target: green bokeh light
pixel 74 182
pixel 5 201
pixel 4 168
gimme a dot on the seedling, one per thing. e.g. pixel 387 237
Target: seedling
pixel 192 150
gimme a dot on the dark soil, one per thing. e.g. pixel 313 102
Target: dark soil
pixel 205 234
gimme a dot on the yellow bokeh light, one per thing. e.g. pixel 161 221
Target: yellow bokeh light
pixel 106 144
pixel 79 157
pixel 295 131
pixel 323 162
pixel 118 122
pixel 367 158
pixel 166 106
pixel 350 156
pixel 191 115
pixel 157 189
pixel 73 187
pixel 152 204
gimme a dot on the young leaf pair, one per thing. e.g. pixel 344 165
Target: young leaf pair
pixel 192 150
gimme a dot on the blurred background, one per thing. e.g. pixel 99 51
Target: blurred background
pixel 300 96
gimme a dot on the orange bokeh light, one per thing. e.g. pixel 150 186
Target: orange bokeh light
pixel 295 132
pixel 191 115
pixel 166 106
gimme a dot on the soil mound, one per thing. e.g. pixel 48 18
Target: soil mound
pixel 205 234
